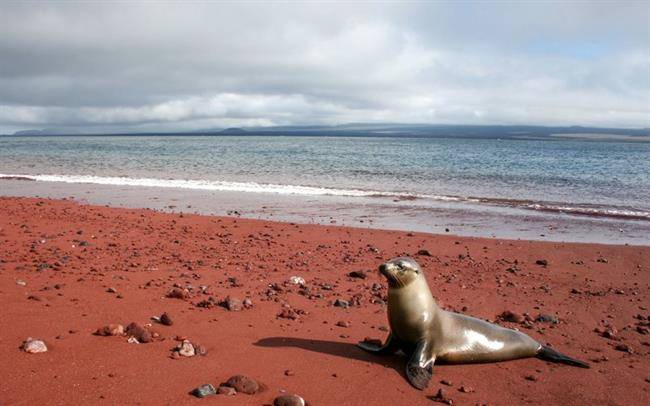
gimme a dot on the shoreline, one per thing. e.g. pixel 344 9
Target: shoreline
pixel 69 255
pixel 383 213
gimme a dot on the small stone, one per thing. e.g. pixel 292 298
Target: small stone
pixel 178 293
pixel 289 400
pixel 232 304
pixel 200 350
pixel 204 390
pixel 138 332
pixel 110 330
pixel 289 372
pixel 342 323
pixel 446 382
pixel 133 340
pixel 226 390
pixel 623 348
pixel 166 319
pixel 34 346
pixel 186 349
pixel 547 318
pixel 21 282
pixel 111 290
pixel 511 317
pixel 373 341
pixel 341 303
pixel 531 378
pixel 243 384
pixel 297 280
pixel 358 275
pixel 248 303
pixel 425 253
pixel 542 262
pixel 466 389
pixel 441 398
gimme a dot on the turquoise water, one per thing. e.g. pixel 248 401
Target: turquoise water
pixel 577 177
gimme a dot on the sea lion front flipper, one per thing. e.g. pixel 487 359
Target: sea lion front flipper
pixel 419 369
pixel 389 347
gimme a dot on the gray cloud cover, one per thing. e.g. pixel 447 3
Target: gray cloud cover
pixel 172 66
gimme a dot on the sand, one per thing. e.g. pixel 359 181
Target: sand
pixel 67 269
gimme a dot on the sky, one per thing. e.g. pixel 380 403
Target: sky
pixel 152 66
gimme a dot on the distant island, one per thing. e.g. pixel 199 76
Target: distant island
pixel 529 132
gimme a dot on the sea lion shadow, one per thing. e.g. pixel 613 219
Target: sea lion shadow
pixel 336 348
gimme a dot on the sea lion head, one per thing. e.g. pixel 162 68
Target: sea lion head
pixel 400 271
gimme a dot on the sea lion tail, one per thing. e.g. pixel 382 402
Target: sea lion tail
pixel 549 354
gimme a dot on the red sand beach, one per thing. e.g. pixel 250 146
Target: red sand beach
pixel 68 269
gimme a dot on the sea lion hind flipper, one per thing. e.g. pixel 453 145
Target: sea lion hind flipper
pixel 549 354
pixel 419 369
pixel 388 348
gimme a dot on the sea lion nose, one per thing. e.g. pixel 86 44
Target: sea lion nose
pixel 383 269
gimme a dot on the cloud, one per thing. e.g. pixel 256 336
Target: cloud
pixel 170 66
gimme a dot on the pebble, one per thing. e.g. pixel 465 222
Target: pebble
pixel 21 282
pixel 226 390
pixel 111 290
pixel 343 324
pixel 139 333
pixel 358 275
pixel 204 390
pixel 425 253
pixel 243 384
pixel 511 317
pixel 289 400
pixel 341 303
pixel 289 372
pixel 232 304
pixel 547 318
pixel 166 319
pixel 248 303
pixel 542 262
pixel 110 330
pixel 466 389
pixel 186 349
pixel 178 293
pixel 297 280
pixel 440 397
pixel 34 346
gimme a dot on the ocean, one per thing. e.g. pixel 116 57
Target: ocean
pixel 487 182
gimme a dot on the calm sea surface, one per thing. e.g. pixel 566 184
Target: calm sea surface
pixel 610 179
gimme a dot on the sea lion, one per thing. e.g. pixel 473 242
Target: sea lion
pixel 429 334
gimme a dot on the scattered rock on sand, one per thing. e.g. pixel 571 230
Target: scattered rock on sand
pixel 204 390
pixel 243 384
pixel 178 293
pixel 542 262
pixel 232 304
pixel 226 390
pixel 289 400
pixel 547 318
pixel 511 317
pixel 424 253
pixel 297 280
pixel 186 349
pixel 358 275
pixel 166 319
pixel 110 330
pixel 139 333
pixel 441 398
pixel 248 303
pixel 343 323
pixel 34 346
pixel 341 303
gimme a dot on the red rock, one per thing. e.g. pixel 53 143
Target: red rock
pixel 511 317
pixel 226 390
pixel 177 293
pixel 289 400
pixel 343 324
pixel 139 333
pixel 166 319
pixel 232 304
pixel 110 330
pixel 243 384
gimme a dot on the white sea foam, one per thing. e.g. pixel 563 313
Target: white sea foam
pixel 211 185
pixel 253 187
